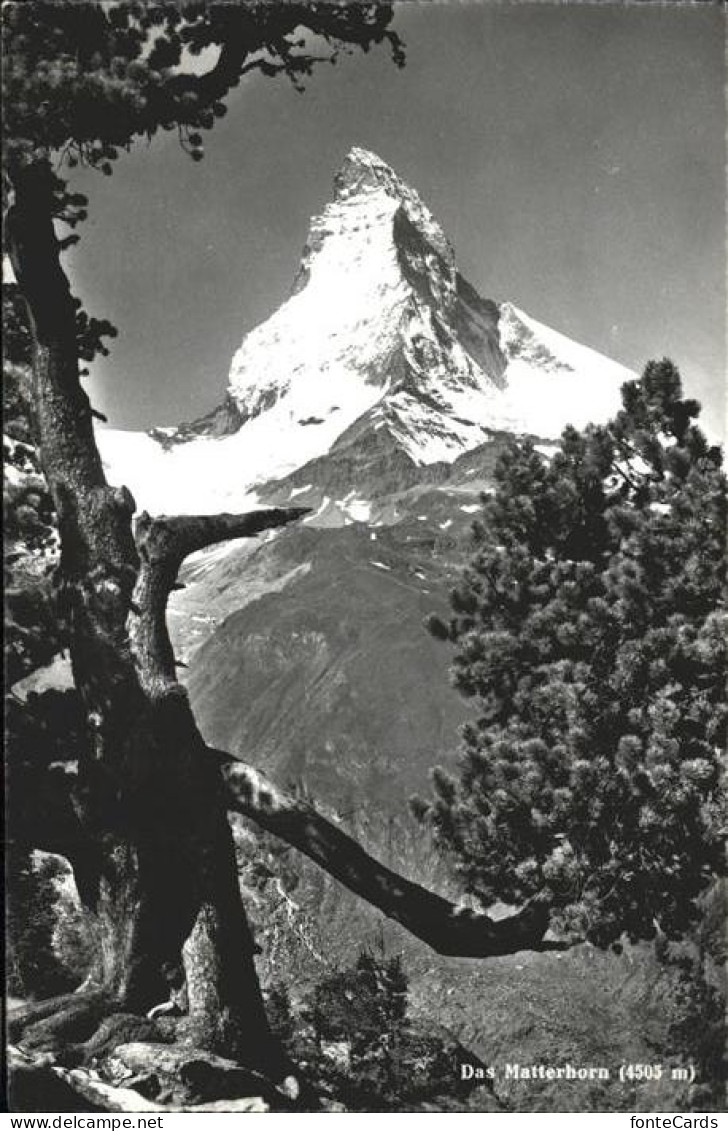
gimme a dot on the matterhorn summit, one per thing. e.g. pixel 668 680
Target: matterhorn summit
pixel 381 344
pixel 379 396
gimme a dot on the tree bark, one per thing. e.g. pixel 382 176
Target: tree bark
pixel 154 854
pixel 448 929
pixel 159 869
pixel 164 542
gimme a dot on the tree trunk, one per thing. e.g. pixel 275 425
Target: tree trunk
pixel 145 818
pixel 157 867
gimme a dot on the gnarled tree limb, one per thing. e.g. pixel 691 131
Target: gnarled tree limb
pixel 449 930
pixel 163 542
pixel 171 538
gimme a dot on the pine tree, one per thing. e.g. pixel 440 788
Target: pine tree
pixel 366 1048
pixel 141 810
pixel 589 628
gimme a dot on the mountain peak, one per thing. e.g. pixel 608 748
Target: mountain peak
pixel 362 170
pixel 381 347
pixel 366 185
pixel 366 159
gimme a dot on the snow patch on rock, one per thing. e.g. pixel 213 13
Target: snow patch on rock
pixel 380 329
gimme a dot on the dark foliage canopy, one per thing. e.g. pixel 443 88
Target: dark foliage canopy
pixel 81 81
pixel 590 628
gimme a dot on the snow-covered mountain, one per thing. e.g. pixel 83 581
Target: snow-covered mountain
pixel 382 343
pixel 379 396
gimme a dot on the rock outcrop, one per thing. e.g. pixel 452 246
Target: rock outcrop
pixel 382 345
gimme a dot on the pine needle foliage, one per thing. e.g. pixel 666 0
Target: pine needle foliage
pixel 589 628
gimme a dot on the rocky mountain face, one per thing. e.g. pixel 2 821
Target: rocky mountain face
pixel 382 354
pixel 379 395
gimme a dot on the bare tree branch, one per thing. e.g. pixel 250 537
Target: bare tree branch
pixel 163 542
pixel 171 538
pixel 449 930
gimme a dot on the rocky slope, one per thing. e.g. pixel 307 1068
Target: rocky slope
pixel 308 652
pixel 383 351
pixel 379 395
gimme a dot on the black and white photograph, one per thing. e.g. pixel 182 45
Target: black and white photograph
pixel 365 513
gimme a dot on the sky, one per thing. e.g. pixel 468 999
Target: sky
pixel 574 154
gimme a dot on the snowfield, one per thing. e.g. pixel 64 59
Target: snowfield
pixel 380 323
